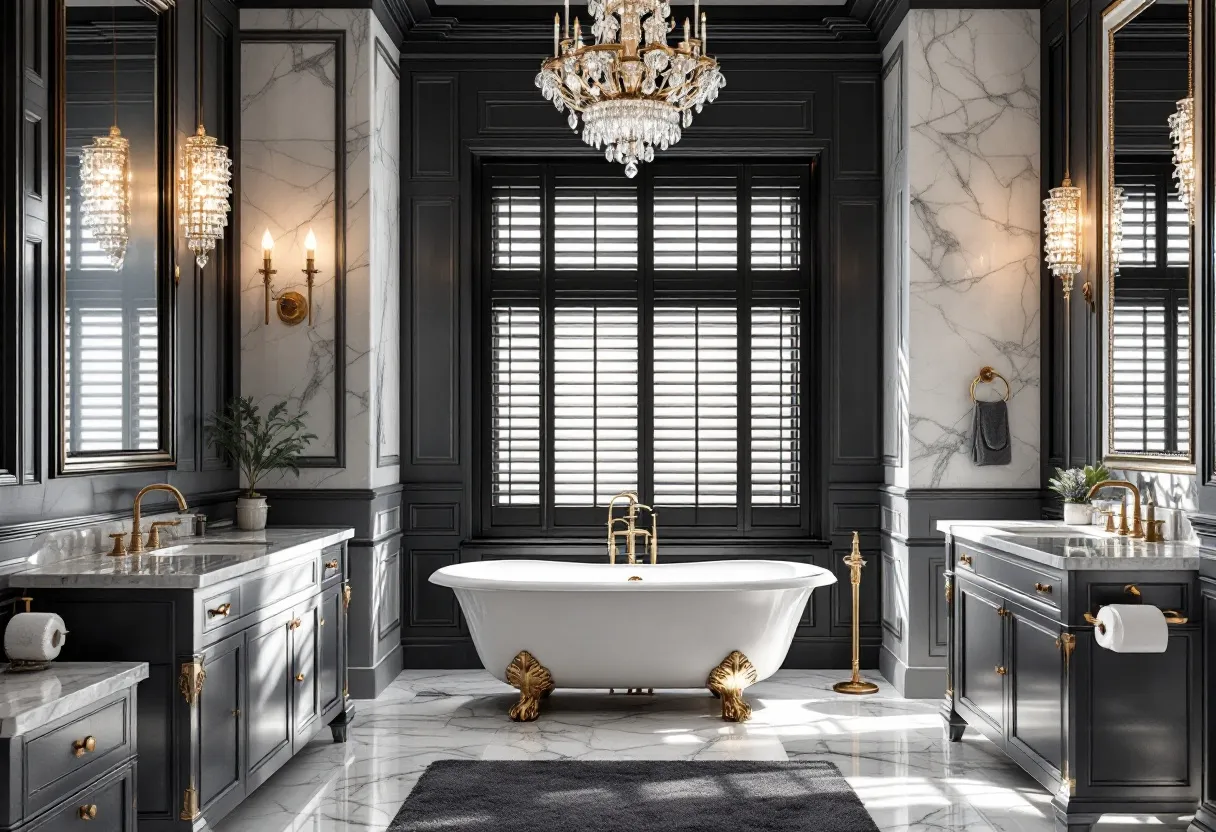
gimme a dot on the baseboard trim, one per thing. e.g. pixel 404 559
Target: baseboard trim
pixel 370 682
pixel 912 682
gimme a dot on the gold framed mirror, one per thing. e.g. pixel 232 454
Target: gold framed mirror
pixel 115 136
pixel 1146 254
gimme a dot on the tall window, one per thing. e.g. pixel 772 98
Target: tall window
pixel 645 335
pixel 1151 395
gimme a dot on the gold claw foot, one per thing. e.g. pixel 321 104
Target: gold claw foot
pixel 534 682
pixel 727 681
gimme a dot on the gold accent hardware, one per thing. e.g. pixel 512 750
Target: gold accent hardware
pixel 331 564
pixel 88 812
pixel 1174 617
pixel 346 595
pixel 949 590
pixel 120 545
pixel 154 532
pixel 221 610
pixel 1150 530
pixel 1066 642
pixel 1002 612
pixel 534 683
pixel 177 275
pixel 310 267
pixel 295 624
pixel 1110 520
pixel 1133 590
pixel 964 560
pixel 728 680
pixel 855 685
pixel 631 532
pixel 949 693
pixel 1087 290
pixel 634 578
pixel 267 269
pixel 1137 529
pixel 988 376
pixel 321 623
pixel 299 677
pixel 1044 588
pixel 28 601
pixel 137 541
pixel 345 691
pixel 190 680
pixel 1092 620
pixel 236 712
pixel 84 746
pixel 1001 671
pixel 292 308
pixel 189 803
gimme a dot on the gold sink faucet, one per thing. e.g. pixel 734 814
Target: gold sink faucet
pixel 137 541
pixel 1137 527
pixel 631 532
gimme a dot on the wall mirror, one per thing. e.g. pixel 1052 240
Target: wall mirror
pixel 1146 238
pixel 115 289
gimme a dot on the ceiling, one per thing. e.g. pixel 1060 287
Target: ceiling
pixel 735 3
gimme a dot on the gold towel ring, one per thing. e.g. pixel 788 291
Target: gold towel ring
pixel 987 376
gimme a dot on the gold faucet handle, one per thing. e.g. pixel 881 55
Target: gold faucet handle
pixel 120 546
pixel 154 532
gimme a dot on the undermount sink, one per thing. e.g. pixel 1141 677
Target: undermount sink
pixel 1056 531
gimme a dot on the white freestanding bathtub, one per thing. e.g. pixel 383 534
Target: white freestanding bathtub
pixel 591 626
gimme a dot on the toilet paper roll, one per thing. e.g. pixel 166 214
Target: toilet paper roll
pixel 34 636
pixel 1132 628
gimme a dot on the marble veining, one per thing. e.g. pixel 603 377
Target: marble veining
pixel 890 750
pixel 30 700
pixel 386 260
pixel 195 563
pixel 972 169
pixel 1074 548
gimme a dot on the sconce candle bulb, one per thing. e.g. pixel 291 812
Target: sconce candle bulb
pixel 266 271
pixel 310 267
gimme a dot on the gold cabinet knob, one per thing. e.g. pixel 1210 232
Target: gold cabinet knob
pixel 221 611
pixel 296 623
pixel 1044 588
pixel 1002 612
pixel 84 746
pixel 1001 671
pixel 88 811
pixel 299 677
pixel 321 622
pixel 331 564
pixel 964 560
pixel 236 713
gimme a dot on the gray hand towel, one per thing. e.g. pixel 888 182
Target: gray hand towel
pixel 990 434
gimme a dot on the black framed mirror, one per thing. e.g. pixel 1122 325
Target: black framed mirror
pixel 116 254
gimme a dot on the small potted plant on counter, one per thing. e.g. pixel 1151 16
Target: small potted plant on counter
pixel 257 446
pixel 1073 486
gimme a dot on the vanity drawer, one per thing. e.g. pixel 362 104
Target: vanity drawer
pixel 220 608
pixel 333 563
pixel 1166 595
pixel 264 591
pixel 63 752
pixel 106 806
pixel 1027 579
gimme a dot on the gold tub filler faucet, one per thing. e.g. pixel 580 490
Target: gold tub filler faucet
pixel 631 533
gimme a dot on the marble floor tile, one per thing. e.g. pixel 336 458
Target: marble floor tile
pixel 890 749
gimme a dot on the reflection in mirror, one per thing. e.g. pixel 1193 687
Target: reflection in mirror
pixel 110 344
pixel 1147 257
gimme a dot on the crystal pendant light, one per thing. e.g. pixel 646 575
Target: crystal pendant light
pixel 105 181
pixel 1182 131
pixel 635 92
pixel 1062 208
pixel 202 193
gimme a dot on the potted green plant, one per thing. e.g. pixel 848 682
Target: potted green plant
pixel 257 446
pixel 1073 486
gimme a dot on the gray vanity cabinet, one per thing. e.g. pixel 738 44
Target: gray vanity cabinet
pixel 221 763
pixel 271 691
pixel 982 651
pixel 1035 683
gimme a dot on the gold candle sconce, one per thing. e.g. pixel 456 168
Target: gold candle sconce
pixel 310 267
pixel 266 271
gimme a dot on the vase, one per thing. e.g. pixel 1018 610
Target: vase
pixel 251 513
pixel 1077 514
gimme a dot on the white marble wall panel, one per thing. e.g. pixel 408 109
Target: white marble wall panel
pixel 973 168
pixel 895 258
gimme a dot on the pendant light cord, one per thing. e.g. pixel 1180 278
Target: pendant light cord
pixel 114 60
pixel 1067 88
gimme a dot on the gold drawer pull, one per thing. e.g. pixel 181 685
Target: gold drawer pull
pixel 84 746
pixel 331 564
pixel 299 677
pixel 221 611
pixel 1044 588
pixel 964 560
pixel 1174 617
pixel 295 623
pixel 88 812
pixel 1132 590
pixel 1001 671
pixel 1002 612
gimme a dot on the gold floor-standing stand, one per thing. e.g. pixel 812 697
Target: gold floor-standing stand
pixel 855 685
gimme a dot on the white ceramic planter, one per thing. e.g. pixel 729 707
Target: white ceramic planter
pixel 251 513
pixel 1075 514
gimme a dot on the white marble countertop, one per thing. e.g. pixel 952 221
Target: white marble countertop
pixel 191 563
pixel 1052 543
pixel 35 698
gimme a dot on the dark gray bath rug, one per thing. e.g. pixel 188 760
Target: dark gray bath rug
pixel 652 795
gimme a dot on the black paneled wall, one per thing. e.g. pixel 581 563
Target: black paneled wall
pixel 465 107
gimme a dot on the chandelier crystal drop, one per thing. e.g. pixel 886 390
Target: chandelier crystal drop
pixel 1182 134
pixel 105 193
pixel 203 188
pixel 635 92
pixel 1062 232
pixel 1117 205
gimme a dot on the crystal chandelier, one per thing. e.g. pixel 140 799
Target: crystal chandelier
pixel 202 193
pixel 1062 232
pixel 105 196
pixel 1182 134
pixel 1117 204
pixel 635 92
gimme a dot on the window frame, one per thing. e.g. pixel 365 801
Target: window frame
pixel 646 288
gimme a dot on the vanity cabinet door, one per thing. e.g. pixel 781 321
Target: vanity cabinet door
pixel 1036 693
pixel 982 670
pixel 271 688
pixel 220 711
pixel 306 664
pixel 330 677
